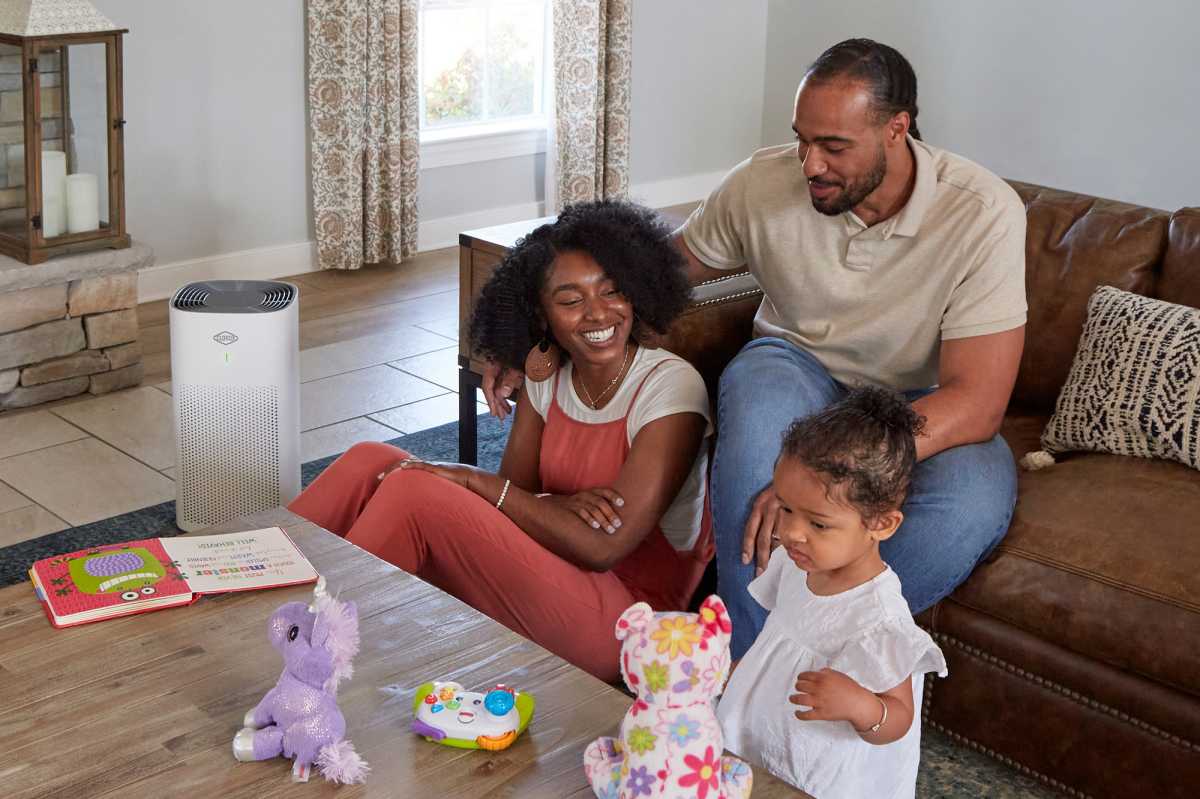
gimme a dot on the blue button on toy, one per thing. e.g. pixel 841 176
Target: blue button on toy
pixel 498 701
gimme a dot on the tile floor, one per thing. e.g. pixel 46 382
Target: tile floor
pixel 379 358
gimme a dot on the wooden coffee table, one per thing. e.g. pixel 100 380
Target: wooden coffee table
pixel 147 706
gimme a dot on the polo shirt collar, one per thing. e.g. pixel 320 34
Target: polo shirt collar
pixel 908 220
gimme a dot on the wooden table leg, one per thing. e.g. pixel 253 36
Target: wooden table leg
pixel 468 444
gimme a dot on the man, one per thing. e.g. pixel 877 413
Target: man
pixel 884 261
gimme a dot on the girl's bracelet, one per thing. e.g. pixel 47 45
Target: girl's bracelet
pixel 882 719
pixel 504 493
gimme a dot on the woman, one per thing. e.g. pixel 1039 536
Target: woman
pixel 600 500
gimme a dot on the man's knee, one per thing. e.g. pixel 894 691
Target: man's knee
pixel 775 379
pixel 977 482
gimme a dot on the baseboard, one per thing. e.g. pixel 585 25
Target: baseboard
pixel 673 191
pixel 263 263
pixel 269 263
pixel 434 234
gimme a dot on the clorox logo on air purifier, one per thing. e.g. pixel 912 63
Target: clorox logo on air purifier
pixel 225 337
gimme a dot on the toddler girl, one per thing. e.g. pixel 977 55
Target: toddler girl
pixel 829 696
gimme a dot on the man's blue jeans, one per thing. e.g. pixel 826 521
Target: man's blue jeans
pixel 959 507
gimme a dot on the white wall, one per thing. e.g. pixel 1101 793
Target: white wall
pixel 1097 97
pixel 215 141
pixel 697 73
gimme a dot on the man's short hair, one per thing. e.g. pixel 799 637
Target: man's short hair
pixel 887 74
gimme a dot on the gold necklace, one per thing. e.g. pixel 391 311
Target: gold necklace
pixel 620 373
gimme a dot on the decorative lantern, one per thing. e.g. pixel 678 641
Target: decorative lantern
pixel 62 152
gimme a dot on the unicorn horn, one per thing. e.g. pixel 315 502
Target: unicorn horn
pixel 319 593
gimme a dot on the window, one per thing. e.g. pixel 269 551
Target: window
pixel 483 67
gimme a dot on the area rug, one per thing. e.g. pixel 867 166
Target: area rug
pixel 436 443
pixel 948 771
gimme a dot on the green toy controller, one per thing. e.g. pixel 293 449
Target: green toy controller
pixel 446 714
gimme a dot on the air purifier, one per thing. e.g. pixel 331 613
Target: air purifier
pixel 235 378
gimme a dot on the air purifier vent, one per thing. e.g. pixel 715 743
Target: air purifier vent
pixel 278 298
pixel 229 452
pixel 234 297
pixel 193 296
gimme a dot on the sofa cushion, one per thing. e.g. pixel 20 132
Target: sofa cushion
pixel 1134 388
pixel 1101 558
pixel 1180 281
pixel 1073 244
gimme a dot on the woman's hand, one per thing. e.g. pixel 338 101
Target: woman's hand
pixel 759 537
pixel 466 476
pixel 597 507
pixel 833 696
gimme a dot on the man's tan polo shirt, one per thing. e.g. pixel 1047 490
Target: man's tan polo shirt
pixel 871 303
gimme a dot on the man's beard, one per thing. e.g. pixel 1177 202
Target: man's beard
pixel 855 192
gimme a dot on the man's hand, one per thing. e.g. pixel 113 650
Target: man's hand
pixel 498 386
pixel 832 696
pixel 759 537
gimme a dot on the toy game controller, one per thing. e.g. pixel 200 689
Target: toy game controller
pixel 492 720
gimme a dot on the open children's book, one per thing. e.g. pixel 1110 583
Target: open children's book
pixel 154 573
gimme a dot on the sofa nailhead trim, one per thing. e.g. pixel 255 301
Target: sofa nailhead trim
pixel 725 298
pixel 1075 696
pixel 718 280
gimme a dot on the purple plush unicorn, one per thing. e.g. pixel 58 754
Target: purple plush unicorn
pixel 299 718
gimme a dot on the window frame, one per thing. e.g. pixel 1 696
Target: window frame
pixel 490 140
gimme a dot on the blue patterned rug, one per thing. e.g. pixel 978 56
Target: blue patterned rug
pixel 156 521
pixel 948 771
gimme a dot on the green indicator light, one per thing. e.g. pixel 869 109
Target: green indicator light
pixel 227 357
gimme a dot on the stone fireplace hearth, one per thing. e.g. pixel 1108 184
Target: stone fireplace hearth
pixel 69 326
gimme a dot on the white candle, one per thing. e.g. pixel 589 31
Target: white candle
pixel 83 203
pixel 54 193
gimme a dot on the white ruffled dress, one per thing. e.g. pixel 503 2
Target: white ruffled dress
pixel 867 633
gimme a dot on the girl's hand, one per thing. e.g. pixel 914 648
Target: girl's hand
pixel 833 696
pixel 597 507
pixel 465 476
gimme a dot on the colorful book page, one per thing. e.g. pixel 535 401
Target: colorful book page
pixel 239 561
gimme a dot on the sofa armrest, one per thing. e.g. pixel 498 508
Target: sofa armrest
pixel 719 321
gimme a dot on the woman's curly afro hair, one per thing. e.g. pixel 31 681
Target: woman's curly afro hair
pixel 630 244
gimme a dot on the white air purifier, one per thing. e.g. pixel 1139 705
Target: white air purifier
pixel 235 377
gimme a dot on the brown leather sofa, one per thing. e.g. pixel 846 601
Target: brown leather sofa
pixel 1074 651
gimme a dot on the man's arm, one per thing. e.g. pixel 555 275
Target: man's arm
pixel 976 377
pixel 697 272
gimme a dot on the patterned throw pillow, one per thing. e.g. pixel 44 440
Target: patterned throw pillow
pixel 1134 388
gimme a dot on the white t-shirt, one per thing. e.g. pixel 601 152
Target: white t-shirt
pixel 674 387
pixel 866 632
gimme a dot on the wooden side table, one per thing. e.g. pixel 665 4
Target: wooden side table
pixel 479 253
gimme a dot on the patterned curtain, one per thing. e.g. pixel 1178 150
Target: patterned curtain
pixel 593 48
pixel 362 84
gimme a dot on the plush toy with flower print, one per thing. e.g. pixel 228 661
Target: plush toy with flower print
pixel 671 744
